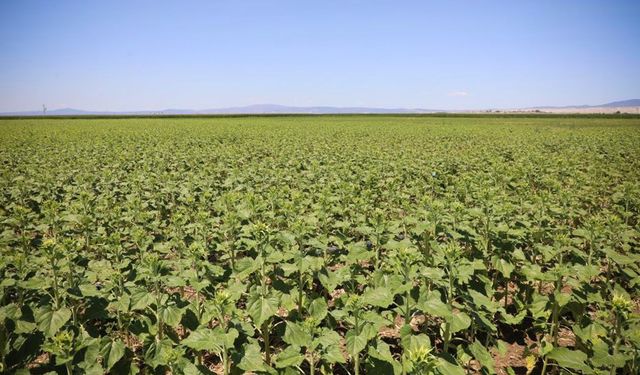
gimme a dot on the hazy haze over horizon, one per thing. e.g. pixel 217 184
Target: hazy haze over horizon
pixel 144 55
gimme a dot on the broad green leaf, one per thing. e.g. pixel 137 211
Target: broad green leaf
pixel 252 359
pixel 380 351
pixel 141 299
pixel 297 334
pixel 572 359
pixel 355 342
pixel 481 300
pixel 482 355
pixel 112 353
pixel 504 267
pixel 444 367
pixel 50 321
pixel 10 311
pixel 205 339
pixel 262 308
pixel 329 280
pixel 459 321
pixel 332 354
pixel 380 297
pixel 433 305
pixel 35 283
pixel 318 309
pixel 328 337
pixel 171 315
pixel 289 357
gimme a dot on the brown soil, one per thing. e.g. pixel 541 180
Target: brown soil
pixel 566 337
pixel 336 294
pixel 393 332
pixel 40 360
pixel 514 357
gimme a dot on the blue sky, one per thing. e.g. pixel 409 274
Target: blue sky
pixel 151 55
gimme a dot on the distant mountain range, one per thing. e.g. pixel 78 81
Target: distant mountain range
pixel 624 103
pixel 282 109
pixel 250 109
pixel 618 104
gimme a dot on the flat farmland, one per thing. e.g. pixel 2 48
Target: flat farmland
pixel 320 244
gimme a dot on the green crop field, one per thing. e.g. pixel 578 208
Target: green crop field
pixel 320 244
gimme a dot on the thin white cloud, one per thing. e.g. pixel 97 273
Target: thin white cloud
pixel 458 93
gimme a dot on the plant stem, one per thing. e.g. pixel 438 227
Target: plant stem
pixel 267 344
pixel 617 331
pixel 300 291
pixel 447 330
pixel 544 366
pixel 225 361
pixel 554 316
pixel 56 296
pixel 356 363
pixel 407 311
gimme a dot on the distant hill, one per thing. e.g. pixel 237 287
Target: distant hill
pixel 623 106
pixel 283 109
pixel 623 103
pixel 250 109
pixel 275 108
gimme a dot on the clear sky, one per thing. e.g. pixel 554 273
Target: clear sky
pixel 152 55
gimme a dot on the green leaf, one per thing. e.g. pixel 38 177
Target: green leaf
pixel 328 337
pixel 49 322
pixel 329 280
pixel 381 297
pixel 90 361
pixel 160 353
pixel 482 355
pixel 318 309
pixel 188 368
pixel 245 267
pixel 112 353
pixel 141 299
pixel 504 267
pixel 333 354
pixel 481 300
pixel 205 339
pixel 11 311
pixel 562 298
pixel 88 290
pixel 23 326
pixel 122 304
pixel 464 272
pixel 381 360
pixel 434 306
pixel 591 332
pixel 416 342
pixel 252 359
pixel 459 321
pixel 511 319
pixel 572 359
pixel 171 315
pixel 447 368
pixel 296 334
pixel 502 347
pixel 262 308
pixel 290 357
pixel 34 283
pixel 230 337
pixel 355 342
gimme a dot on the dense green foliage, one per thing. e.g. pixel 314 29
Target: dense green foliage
pixel 355 244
